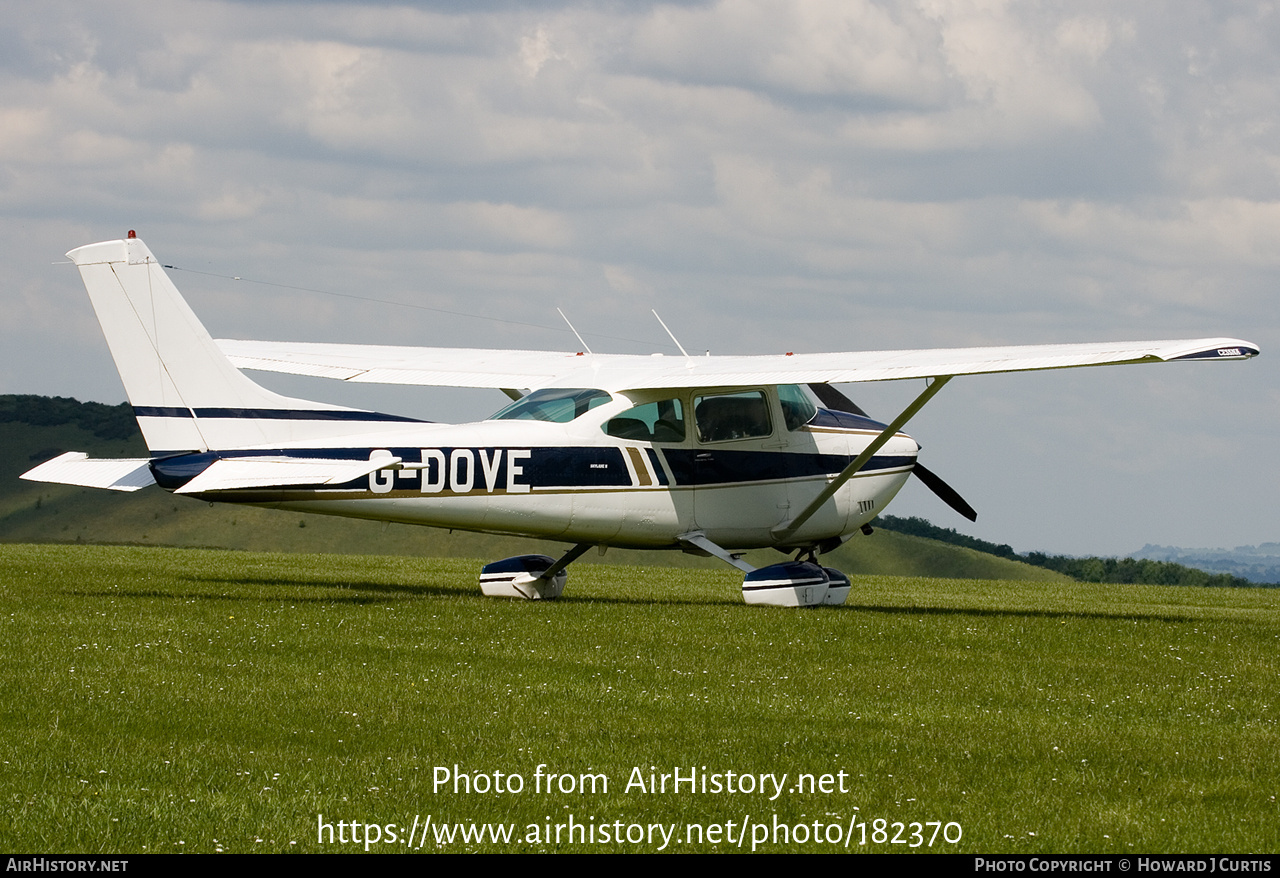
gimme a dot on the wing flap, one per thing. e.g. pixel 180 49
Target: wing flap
pixel 387 364
pixel 75 468
pixel 269 472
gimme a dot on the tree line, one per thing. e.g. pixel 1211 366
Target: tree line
pixel 103 421
pixel 1092 569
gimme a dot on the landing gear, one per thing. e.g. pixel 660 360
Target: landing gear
pixel 799 583
pixel 789 584
pixel 838 586
pixel 795 584
pixel 531 577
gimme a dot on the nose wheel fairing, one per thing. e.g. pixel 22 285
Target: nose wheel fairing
pixel 795 584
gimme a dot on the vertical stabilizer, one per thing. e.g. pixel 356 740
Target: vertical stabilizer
pixel 185 393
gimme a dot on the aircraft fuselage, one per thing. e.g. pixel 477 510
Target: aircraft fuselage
pixel 576 483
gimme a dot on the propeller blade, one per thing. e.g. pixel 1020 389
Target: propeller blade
pixel 837 401
pixel 945 492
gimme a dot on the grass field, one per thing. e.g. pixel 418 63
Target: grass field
pixel 184 700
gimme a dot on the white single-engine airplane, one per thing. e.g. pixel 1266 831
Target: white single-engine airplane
pixel 711 455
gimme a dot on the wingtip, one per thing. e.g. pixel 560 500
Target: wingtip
pixel 1221 349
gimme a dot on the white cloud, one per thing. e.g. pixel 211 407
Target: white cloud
pixel 813 47
pixel 807 175
pixel 536 50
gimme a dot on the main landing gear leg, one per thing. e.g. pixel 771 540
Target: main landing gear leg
pixel 532 577
pixel 798 583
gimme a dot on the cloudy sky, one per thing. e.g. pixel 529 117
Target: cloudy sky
pixel 810 175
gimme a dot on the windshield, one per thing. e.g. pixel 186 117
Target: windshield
pixel 559 406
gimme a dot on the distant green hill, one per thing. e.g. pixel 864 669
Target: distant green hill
pixel 1133 571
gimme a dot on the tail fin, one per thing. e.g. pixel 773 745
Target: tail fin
pixel 185 393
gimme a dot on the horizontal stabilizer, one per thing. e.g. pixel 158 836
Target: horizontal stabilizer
pixel 75 468
pixel 268 472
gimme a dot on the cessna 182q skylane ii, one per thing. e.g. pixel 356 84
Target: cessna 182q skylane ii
pixel 707 454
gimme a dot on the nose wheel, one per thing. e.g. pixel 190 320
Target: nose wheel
pixel 807 556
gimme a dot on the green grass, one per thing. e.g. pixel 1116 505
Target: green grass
pixel 183 700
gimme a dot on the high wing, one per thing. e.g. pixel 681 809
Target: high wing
pixel 473 367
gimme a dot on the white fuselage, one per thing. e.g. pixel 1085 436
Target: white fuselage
pixel 574 482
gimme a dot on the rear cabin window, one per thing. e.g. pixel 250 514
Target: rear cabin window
pixel 559 406
pixel 661 421
pixel 726 416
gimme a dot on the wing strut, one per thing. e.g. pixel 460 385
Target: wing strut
pixel 787 529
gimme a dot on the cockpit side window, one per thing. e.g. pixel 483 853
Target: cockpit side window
pixel 559 406
pixel 797 408
pixel 661 421
pixel 726 416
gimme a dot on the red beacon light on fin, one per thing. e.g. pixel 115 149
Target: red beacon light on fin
pixel 132 234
